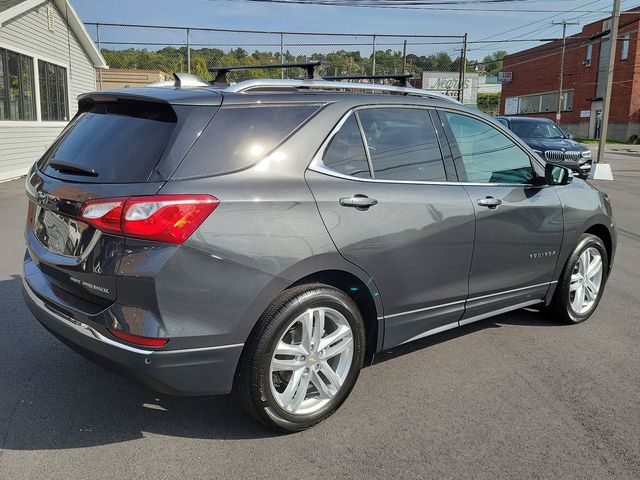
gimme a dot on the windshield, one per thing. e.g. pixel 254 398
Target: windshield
pixel 546 130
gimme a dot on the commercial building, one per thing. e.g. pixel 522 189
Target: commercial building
pixel 47 59
pixel 115 78
pixel 535 78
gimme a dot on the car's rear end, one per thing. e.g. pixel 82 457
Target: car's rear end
pixel 102 239
pixel 155 235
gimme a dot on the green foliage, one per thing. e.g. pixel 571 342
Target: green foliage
pixel 342 62
pixel 493 63
pixel 489 103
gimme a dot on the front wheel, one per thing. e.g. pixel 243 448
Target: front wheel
pixel 582 281
pixel 303 358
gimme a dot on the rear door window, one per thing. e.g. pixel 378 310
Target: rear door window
pixel 345 154
pixel 402 144
pixel 239 137
pixel 112 142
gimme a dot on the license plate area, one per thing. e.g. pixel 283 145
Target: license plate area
pixel 62 235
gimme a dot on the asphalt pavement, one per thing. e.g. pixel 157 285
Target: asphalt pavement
pixel 513 397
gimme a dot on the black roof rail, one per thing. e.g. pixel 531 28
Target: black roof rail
pixel 221 72
pixel 401 78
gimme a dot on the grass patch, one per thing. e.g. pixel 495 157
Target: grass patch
pixel 591 141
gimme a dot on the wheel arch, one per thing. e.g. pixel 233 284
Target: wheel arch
pixel 602 232
pixel 364 298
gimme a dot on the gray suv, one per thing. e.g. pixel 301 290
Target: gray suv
pixel 268 238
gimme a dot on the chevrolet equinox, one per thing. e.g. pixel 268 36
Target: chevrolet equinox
pixel 268 238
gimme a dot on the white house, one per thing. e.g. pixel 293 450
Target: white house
pixel 47 59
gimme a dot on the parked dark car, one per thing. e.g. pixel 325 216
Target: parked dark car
pixel 270 237
pixel 549 141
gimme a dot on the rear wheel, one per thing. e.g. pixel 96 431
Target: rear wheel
pixel 582 281
pixel 303 358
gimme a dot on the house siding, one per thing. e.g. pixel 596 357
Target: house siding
pixel 22 143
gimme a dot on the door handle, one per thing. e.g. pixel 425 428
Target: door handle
pixel 359 201
pixel 490 202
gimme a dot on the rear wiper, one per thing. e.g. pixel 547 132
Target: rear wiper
pixel 72 168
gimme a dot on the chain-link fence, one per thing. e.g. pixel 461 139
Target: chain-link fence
pixel 162 50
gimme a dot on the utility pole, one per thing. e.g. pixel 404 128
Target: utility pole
pixel 373 59
pixel 404 57
pixel 564 24
pixel 613 38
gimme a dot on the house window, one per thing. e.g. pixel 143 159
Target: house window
pixel 54 104
pixel 16 86
pixel 624 53
pixel 587 60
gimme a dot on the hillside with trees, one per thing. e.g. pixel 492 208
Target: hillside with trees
pixel 341 62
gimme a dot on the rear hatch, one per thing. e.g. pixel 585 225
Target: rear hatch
pixel 118 146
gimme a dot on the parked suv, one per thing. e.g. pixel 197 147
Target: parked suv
pixel 551 143
pixel 270 237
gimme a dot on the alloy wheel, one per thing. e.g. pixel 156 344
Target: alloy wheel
pixel 586 281
pixel 311 361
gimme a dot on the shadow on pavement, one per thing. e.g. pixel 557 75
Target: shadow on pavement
pixel 528 317
pixel 53 398
pixel 56 399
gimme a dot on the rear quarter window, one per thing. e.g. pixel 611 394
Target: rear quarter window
pixel 239 137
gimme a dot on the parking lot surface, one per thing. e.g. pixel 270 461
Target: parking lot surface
pixel 515 397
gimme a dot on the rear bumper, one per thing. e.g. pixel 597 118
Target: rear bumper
pixel 196 371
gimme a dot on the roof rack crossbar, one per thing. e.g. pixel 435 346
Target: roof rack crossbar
pixel 221 72
pixel 401 78
pixel 287 84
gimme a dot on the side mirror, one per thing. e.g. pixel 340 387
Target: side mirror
pixel 557 174
pixel 572 136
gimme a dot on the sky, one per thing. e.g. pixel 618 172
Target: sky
pixel 479 25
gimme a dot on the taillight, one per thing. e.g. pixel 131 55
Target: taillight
pixel 163 218
pixel 105 215
pixel 138 340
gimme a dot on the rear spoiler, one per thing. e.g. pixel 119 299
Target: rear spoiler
pixel 172 96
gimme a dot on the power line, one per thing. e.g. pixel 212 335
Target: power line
pixel 538 31
pixel 539 21
pixel 579 44
pixel 456 6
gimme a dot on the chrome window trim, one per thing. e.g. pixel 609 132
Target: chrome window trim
pixel 317 166
pixel 365 144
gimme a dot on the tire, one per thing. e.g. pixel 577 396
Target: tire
pixel 265 380
pixel 564 303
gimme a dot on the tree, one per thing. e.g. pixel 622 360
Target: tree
pixel 493 63
pixel 341 62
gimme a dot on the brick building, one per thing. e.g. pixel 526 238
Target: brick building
pixel 533 90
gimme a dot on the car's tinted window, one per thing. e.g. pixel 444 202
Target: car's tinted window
pixel 239 137
pixel 488 156
pixel 121 141
pixel 402 144
pixel 345 154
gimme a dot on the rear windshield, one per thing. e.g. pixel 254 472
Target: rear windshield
pixel 114 142
pixel 239 137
